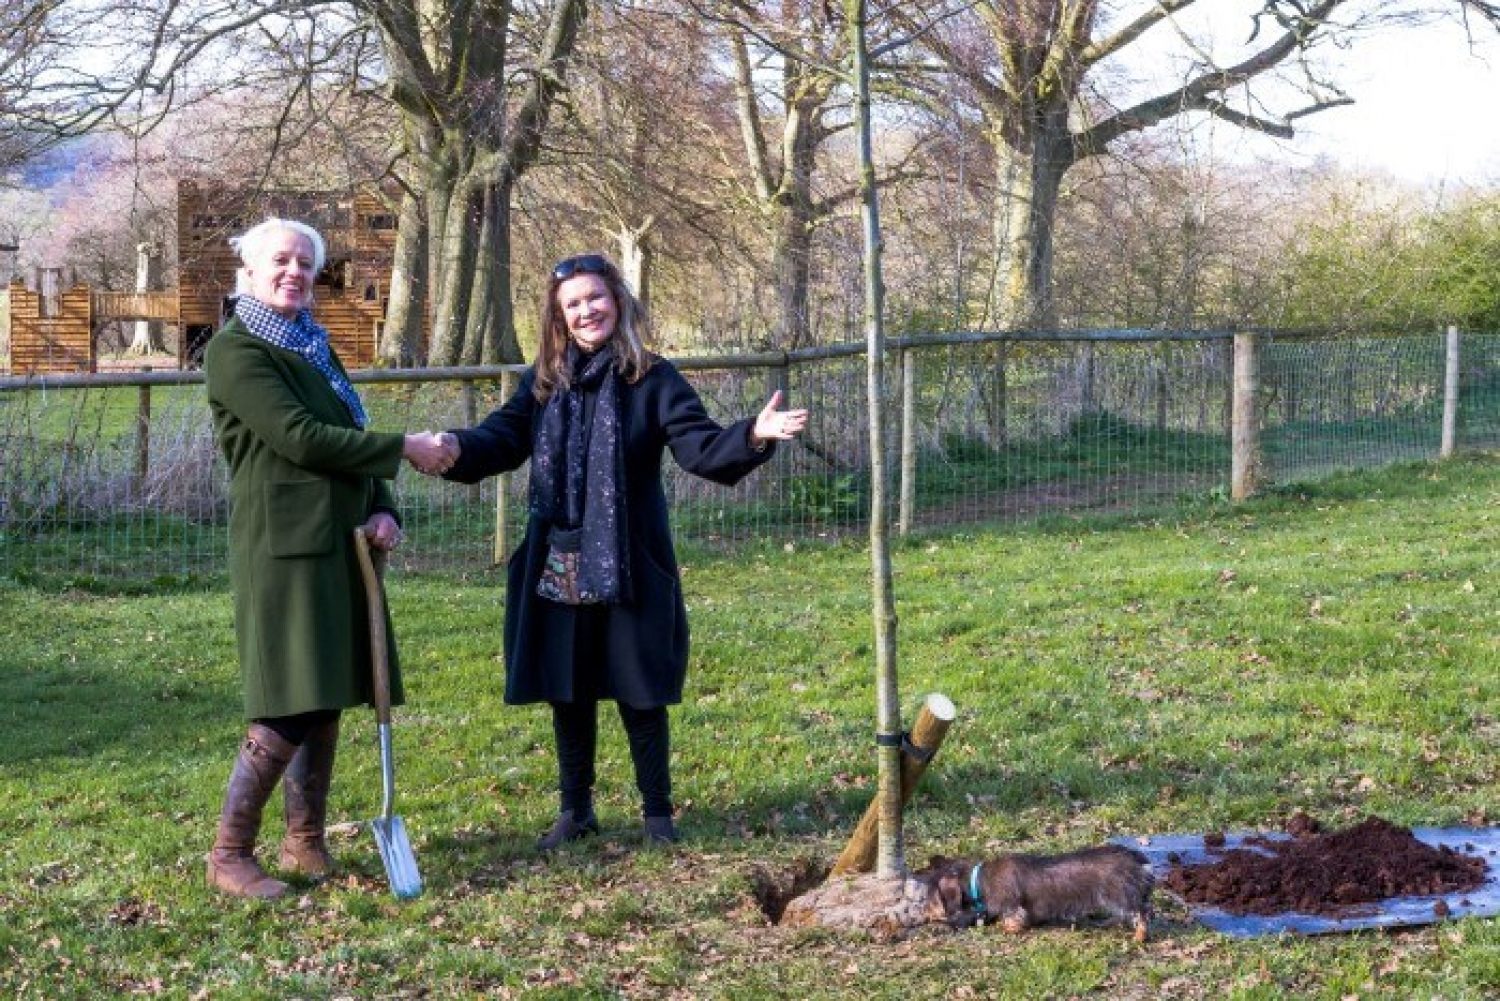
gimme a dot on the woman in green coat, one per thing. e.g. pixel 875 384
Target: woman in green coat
pixel 304 474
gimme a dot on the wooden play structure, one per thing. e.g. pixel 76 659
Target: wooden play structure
pixel 51 329
pixel 54 321
pixel 352 288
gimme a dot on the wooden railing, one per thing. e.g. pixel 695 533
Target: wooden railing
pixel 135 306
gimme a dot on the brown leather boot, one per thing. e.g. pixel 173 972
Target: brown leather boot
pixel 305 790
pixel 231 865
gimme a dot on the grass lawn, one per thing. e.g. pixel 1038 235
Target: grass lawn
pixel 1331 649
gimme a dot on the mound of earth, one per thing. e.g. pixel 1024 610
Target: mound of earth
pixel 1326 873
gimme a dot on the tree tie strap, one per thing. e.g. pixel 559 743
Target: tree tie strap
pixel 921 755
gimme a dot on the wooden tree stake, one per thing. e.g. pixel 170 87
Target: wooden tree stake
pixel 927 735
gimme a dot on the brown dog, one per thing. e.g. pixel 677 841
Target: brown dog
pixel 1019 891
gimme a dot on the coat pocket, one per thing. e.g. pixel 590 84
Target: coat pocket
pixel 299 517
pixel 658 621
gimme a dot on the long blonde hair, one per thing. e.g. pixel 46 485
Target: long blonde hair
pixel 631 326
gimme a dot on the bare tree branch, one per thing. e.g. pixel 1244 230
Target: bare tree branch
pixel 1199 93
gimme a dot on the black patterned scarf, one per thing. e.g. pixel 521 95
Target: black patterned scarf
pixel 578 478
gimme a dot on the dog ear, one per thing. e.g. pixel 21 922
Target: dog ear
pixel 950 890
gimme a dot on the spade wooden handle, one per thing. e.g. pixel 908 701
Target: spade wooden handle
pixel 380 667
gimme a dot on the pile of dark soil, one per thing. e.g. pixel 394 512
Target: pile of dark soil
pixel 1333 873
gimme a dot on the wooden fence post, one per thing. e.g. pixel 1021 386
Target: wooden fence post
pixel 1245 460
pixel 1088 391
pixel 1159 385
pixel 778 377
pixel 1450 395
pixel 998 408
pixel 470 404
pixel 926 737
pixel 143 433
pixel 908 441
pixel 502 485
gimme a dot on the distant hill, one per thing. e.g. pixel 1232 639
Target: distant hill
pixel 55 165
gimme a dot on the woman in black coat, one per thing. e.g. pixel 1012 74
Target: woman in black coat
pixel 594 607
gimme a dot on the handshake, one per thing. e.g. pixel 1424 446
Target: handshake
pixel 431 452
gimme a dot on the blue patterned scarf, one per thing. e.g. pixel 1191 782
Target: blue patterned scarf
pixel 304 337
pixel 578 477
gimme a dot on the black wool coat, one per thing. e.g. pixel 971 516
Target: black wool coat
pixel 646 641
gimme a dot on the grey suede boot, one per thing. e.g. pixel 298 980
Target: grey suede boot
pixel 661 831
pixel 568 828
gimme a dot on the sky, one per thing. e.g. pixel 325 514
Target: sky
pixel 1424 110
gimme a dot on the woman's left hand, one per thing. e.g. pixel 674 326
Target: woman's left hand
pixel 778 425
pixel 382 531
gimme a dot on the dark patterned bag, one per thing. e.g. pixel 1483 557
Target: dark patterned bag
pixel 560 570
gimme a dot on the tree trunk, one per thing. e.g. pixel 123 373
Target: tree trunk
pixel 491 337
pixel 793 251
pixel 1028 179
pixel 997 400
pixel 454 256
pixel 481 311
pixel 147 339
pixel 402 333
pixel 503 346
pixel 475 125
pixel 636 257
pixel 795 226
pixel 783 191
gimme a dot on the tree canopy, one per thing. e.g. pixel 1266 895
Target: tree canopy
pixel 1021 149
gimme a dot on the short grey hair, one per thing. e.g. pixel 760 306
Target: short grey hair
pixel 249 243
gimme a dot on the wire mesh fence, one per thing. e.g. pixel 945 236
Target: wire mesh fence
pixel 116 479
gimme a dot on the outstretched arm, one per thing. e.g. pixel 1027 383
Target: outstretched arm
pixel 706 448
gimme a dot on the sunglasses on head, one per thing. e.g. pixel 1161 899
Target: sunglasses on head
pixel 583 264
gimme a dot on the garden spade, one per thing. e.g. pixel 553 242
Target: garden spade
pixel 390 832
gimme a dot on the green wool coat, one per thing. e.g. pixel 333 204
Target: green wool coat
pixel 303 476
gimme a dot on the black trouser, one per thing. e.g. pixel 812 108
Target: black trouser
pixel 576 727
pixel 294 729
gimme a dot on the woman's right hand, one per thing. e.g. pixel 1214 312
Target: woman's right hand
pixel 430 452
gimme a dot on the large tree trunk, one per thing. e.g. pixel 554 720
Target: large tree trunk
pixel 792 265
pixel 1029 177
pixel 783 190
pixel 402 334
pixel 501 345
pixel 794 237
pixel 491 335
pixel 480 316
pixel 1043 52
pixel 453 259
pixel 437 195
